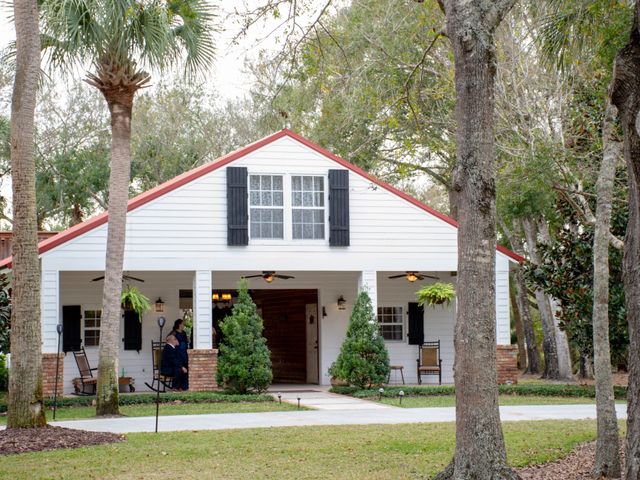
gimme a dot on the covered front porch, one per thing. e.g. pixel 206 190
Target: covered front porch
pixel 304 320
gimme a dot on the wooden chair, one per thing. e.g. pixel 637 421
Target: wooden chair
pixel 429 360
pixel 86 378
pixel 160 382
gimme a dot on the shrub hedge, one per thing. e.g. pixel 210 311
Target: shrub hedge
pixel 539 390
pixel 149 398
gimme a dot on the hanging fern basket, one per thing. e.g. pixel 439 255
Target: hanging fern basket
pixel 133 299
pixel 436 294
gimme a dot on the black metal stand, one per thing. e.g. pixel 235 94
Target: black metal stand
pixel 161 322
pixel 55 388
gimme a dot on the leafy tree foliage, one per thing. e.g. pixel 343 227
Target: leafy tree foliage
pixel 567 274
pixel 363 360
pixel 244 362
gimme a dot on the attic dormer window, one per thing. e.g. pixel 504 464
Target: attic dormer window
pixel 307 207
pixel 266 202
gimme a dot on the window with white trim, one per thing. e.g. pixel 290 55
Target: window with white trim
pixel 266 202
pixel 307 207
pixel 391 323
pixel 92 327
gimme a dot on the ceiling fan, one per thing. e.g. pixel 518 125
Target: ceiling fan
pixel 269 276
pixel 413 276
pixel 124 277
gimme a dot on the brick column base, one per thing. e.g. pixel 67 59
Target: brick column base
pixel 202 370
pixel 507 360
pixel 49 374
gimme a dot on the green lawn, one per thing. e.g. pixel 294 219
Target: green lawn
pixel 450 401
pixel 75 413
pixel 346 452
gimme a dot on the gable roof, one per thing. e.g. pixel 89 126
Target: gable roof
pixel 191 175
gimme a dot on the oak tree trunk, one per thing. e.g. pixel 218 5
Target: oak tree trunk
pixel 480 452
pixel 549 345
pixel 120 106
pixel 625 95
pixel 517 320
pixel 26 405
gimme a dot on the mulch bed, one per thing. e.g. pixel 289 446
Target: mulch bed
pixel 22 440
pixel 576 466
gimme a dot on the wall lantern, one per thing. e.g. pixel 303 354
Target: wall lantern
pixel 226 297
pixel 215 297
pixel 159 305
pixel 342 303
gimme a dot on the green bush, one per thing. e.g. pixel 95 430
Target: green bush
pixel 150 398
pixel 363 360
pixel 244 362
pixel 534 390
pixel 4 373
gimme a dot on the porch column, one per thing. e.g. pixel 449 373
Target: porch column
pixel 202 310
pixel 50 313
pixel 368 280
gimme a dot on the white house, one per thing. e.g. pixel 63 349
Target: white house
pixel 283 205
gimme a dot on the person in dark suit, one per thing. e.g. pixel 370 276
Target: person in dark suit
pixel 183 346
pixel 172 364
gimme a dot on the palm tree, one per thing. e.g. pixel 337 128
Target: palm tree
pixel 26 405
pixel 119 38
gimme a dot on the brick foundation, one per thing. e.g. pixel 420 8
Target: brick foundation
pixel 202 370
pixel 507 360
pixel 49 373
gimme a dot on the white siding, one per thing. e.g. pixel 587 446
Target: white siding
pixel 503 304
pixel 202 309
pixel 49 308
pixel 186 228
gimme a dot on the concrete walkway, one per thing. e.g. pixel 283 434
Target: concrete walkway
pixel 319 398
pixel 226 421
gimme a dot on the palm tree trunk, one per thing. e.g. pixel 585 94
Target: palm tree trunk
pixel 26 405
pixel 480 451
pixel 120 106
pixel 625 95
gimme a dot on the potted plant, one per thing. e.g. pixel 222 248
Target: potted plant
pixel 132 299
pixel 437 293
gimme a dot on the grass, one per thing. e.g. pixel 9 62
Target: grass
pixel 450 401
pixel 344 452
pixel 77 413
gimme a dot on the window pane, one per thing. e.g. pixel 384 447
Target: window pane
pixel 265 230
pixel 296 199
pixel 307 199
pixel 297 231
pixel 265 182
pixel 318 199
pixel 277 182
pixel 277 214
pixel 266 199
pixel 319 183
pixel 307 216
pixel 255 230
pixel 278 230
pixel 318 231
pixel 307 183
pixel 254 182
pixel 254 198
pixel 307 230
pixel 277 198
pixel 318 216
pixel 296 183
pixel 297 215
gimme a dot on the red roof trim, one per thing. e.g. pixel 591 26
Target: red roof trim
pixel 198 172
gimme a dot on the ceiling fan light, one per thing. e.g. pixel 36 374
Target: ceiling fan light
pixel 411 277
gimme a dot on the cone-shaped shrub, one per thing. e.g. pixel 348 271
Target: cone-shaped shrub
pixel 244 361
pixel 363 359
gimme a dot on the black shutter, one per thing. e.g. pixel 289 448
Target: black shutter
pixel 416 324
pixel 339 208
pixel 237 208
pixel 72 325
pixel 132 331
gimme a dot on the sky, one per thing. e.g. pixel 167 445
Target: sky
pixel 228 78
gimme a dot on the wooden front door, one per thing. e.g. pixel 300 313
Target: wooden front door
pixel 284 313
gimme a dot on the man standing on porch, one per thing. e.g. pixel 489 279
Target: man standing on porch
pixel 172 365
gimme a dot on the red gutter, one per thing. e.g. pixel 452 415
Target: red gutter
pixel 198 172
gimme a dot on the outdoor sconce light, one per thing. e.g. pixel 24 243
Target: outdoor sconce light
pixel 411 277
pixel 226 297
pixel 324 312
pixel 342 303
pixel 215 297
pixel 159 305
